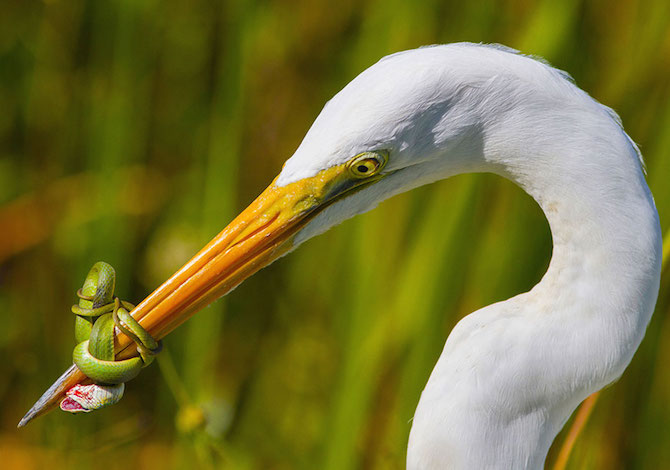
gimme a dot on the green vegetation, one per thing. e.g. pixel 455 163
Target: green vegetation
pixel 186 111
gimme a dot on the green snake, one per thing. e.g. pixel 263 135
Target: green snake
pixel 97 315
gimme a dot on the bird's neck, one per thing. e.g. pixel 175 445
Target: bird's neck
pixel 512 373
pixel 606 250
pixel 602 282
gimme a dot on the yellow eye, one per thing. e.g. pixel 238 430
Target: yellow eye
pixel 367 164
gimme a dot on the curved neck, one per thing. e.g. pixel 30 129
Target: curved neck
pixel 512 373
pixel 606 242
pixel 602 282
pixel 585 174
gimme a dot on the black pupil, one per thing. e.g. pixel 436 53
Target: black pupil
pixel 362 169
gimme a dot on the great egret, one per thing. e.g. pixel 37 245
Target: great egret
pixel 511 373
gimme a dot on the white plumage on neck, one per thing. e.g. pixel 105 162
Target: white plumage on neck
pixel 511 373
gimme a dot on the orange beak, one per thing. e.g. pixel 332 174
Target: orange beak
pixel 259 235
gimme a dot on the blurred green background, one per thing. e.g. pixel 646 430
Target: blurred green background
pixel 133 131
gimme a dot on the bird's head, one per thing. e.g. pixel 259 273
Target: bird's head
pixel 412 118
pixel 402 123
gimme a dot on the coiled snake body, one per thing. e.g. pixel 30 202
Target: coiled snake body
pixel 97 314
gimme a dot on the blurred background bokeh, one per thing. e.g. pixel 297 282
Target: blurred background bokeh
pixel 132 131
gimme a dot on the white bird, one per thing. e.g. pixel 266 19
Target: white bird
pixel 511 373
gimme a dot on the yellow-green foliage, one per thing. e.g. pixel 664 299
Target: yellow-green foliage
pixel 133 131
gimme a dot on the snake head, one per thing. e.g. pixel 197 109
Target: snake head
pixel 86 398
